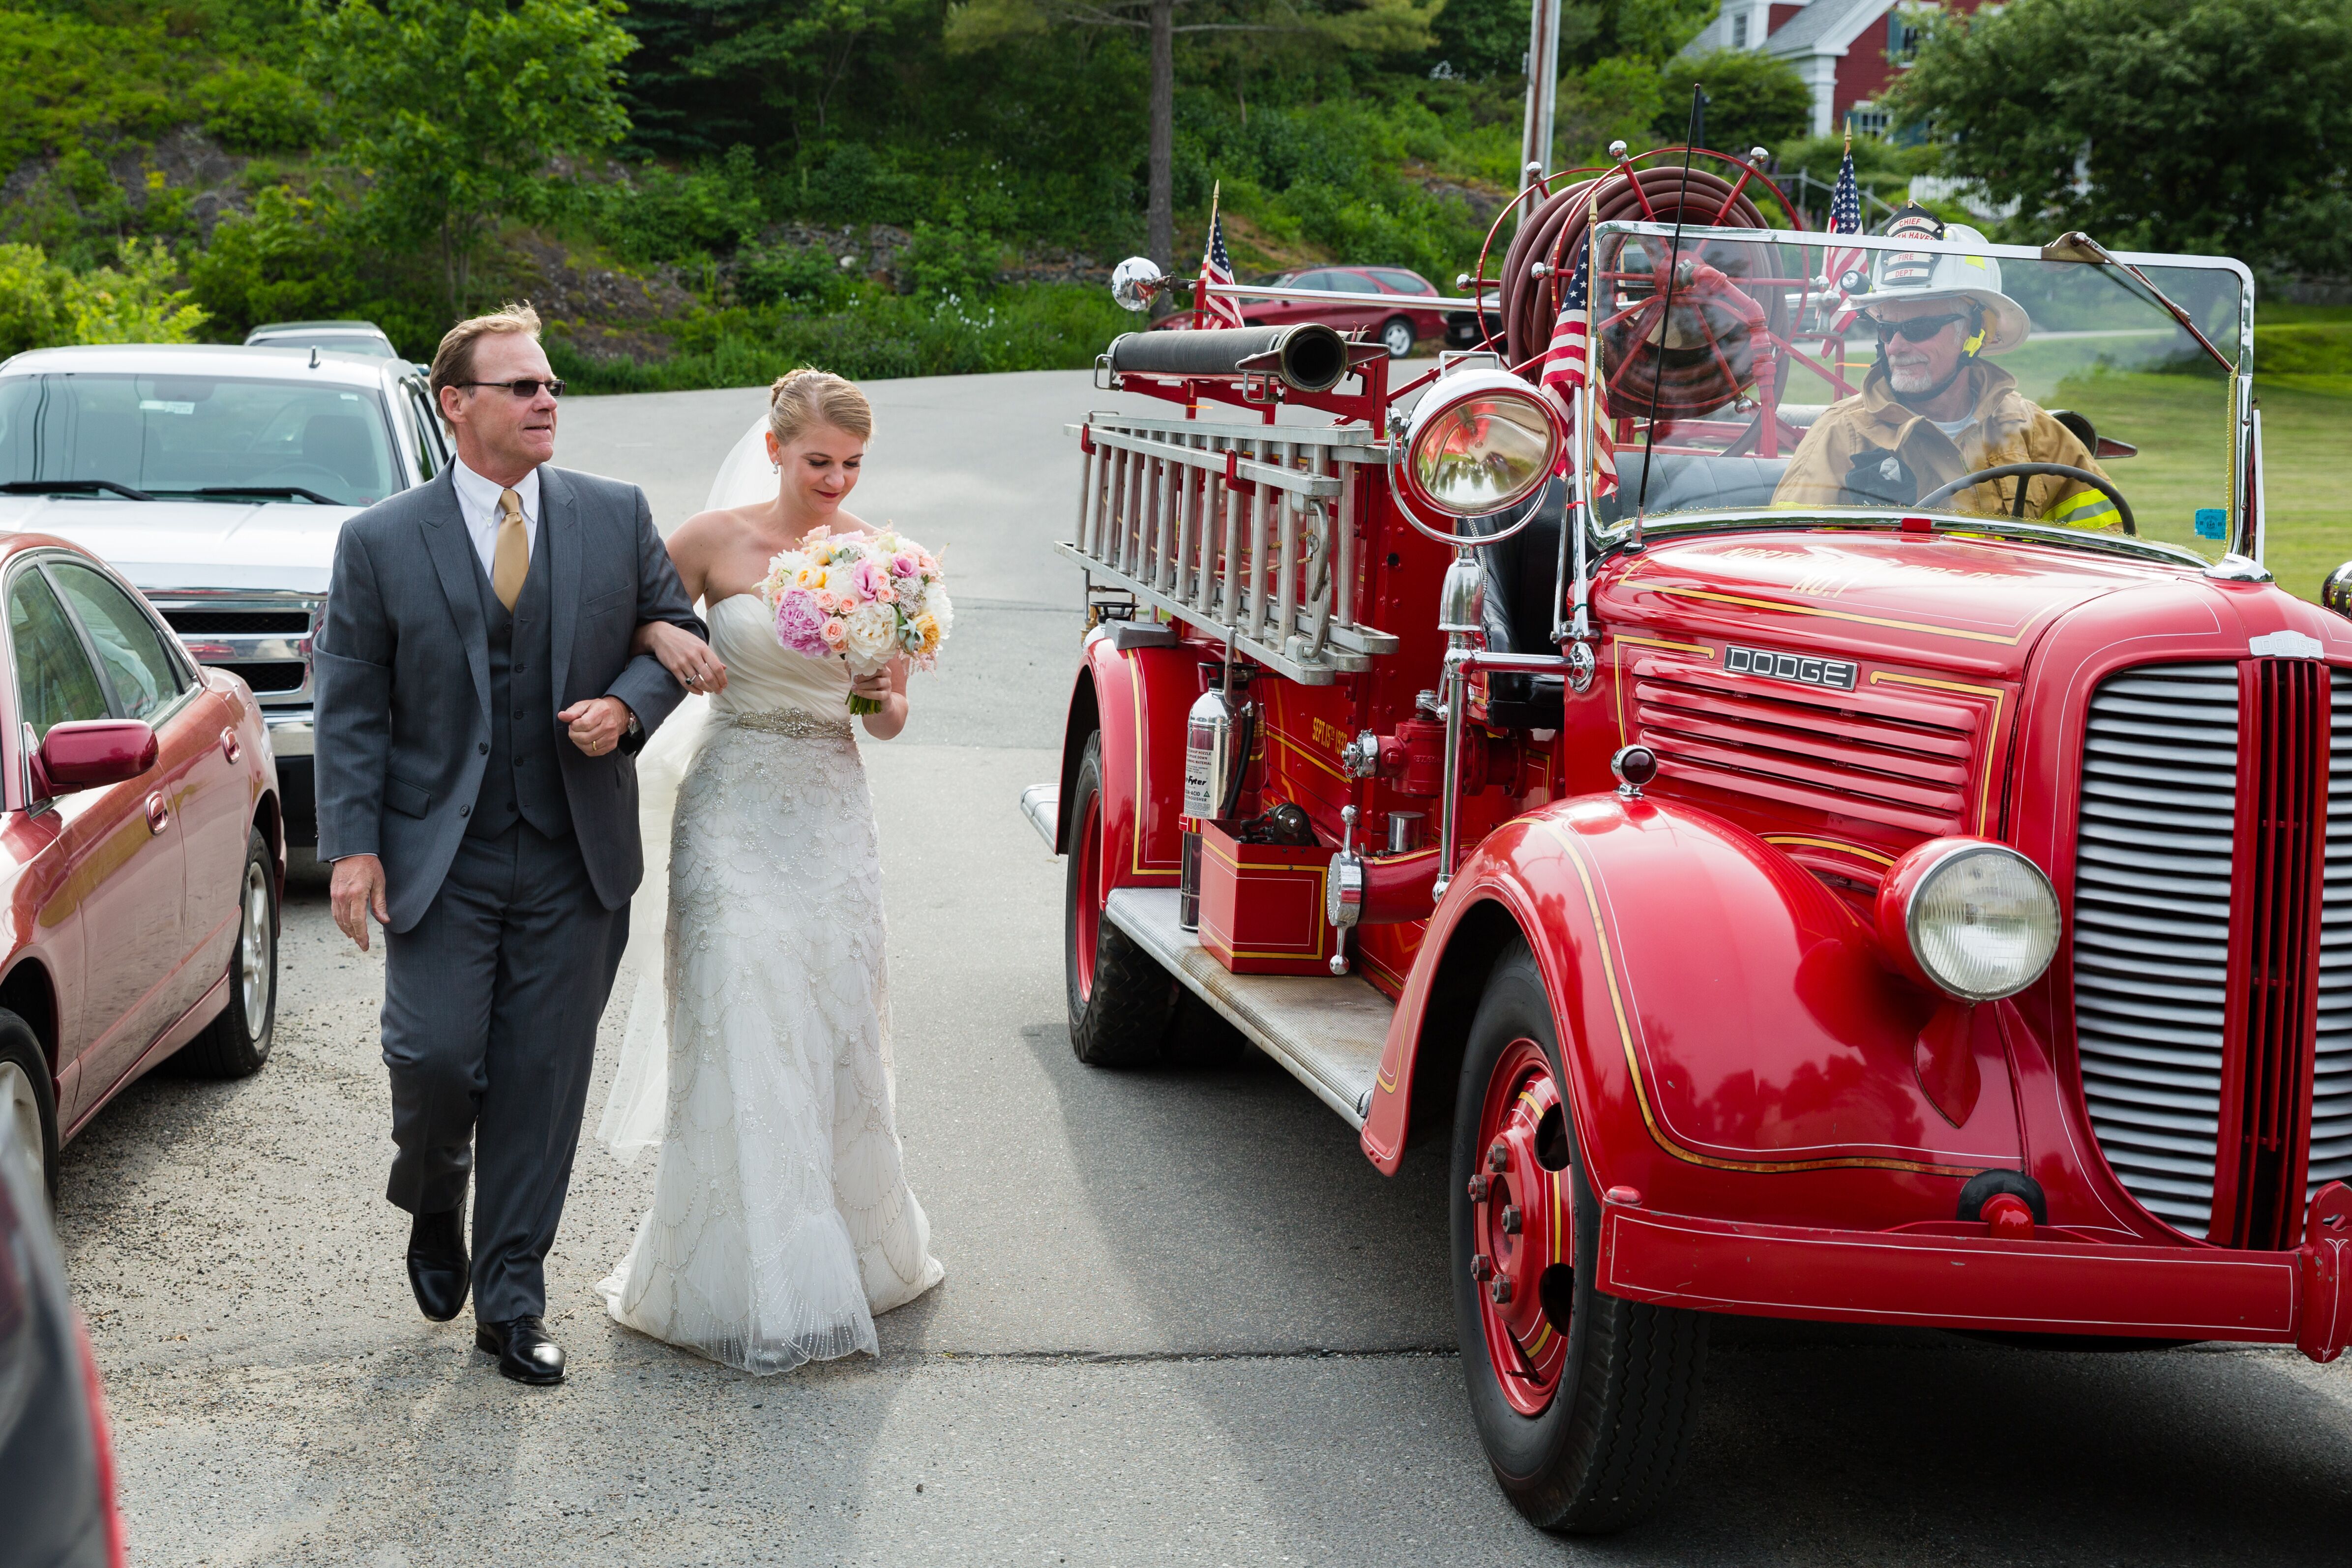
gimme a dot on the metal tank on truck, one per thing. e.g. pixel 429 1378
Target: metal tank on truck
pixel 1777 759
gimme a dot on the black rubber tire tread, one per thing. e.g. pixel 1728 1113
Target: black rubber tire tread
pixel 1610 1446
pixel 20 1045
pixel 1126 1022
pixel 229 1047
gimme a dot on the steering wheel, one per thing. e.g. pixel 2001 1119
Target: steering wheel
pixel 2020 472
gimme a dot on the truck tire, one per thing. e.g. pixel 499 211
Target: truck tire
pixel 28 1096
pixel 1121 1001
pixel 1583 1402
pixel 236 1043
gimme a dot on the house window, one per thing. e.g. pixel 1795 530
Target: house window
pixel 1867 119
pixel 1739 31
pixel 1904 34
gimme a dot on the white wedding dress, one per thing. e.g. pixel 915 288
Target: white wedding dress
pixel 759 1043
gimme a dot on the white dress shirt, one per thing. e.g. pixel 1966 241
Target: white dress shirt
pixel 477 503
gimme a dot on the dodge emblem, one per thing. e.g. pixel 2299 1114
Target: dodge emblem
pixel 1802 668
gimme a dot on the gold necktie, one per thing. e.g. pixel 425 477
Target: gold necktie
pixel 511 562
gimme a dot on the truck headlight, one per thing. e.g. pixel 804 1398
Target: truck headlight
pixel 1972 918
pixel 1480 440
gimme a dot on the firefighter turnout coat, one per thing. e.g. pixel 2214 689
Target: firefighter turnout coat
pixel 1870 450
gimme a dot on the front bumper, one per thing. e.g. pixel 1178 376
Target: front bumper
pixel 292 735
pixel 2061 1285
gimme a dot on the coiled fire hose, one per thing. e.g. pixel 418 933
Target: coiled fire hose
pixel 1707 353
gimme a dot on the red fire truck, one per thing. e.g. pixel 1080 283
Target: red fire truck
pixel 1800 870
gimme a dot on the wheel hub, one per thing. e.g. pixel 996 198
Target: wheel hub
pixel 1523 1224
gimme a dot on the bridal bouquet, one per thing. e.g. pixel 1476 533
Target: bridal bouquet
pixel 869 600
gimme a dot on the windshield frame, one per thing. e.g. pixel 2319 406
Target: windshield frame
pixel 2245 483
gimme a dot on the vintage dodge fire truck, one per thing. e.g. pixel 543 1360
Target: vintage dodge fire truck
pixel 1924 901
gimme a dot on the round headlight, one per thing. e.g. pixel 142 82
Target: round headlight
pixel 1978 919
pixel 1481 442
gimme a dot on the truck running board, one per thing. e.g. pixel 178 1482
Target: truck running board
pixel 1328 1032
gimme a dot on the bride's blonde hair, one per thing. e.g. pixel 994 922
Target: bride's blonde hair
pixel 805 397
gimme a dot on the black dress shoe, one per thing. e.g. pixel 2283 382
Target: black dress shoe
pixel 525 1352
pixel 437 1269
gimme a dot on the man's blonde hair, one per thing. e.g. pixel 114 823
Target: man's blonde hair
pixel 807 397
pixel 453 361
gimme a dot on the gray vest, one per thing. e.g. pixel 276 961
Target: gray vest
pixel 522 781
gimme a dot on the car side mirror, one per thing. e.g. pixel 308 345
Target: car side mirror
pixel 91 754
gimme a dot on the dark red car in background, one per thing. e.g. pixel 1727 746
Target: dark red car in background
pixel 1386 312
pixel 141 851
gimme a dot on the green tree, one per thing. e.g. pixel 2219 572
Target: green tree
pixel 2199 125
pixel 1753 99
pixel 32 294
pixel 291 257
pixel 451 111
pixel 1378 27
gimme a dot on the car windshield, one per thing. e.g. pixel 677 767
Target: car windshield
pixel 210 437
pixel 1887 378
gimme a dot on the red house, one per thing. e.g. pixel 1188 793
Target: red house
pixel 1847 50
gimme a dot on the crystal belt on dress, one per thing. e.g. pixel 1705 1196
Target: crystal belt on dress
pixel 788 721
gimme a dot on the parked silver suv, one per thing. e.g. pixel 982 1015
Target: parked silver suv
pixel 217 479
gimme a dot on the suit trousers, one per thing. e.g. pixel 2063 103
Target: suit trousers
pixel 490 1008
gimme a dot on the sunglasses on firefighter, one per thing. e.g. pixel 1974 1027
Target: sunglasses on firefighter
pixel 526 387
pixel 1916 328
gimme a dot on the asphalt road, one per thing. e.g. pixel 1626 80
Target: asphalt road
pixel 1184 1322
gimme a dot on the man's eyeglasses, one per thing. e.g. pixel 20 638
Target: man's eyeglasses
pixel 527 387
pixel 1916 328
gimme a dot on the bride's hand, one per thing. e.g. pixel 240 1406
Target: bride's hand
pixel 686 656
pixel 875 687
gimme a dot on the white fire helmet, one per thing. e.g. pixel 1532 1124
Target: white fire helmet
pixel 1920 275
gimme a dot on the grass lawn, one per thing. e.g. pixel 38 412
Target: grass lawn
pixel 2180 424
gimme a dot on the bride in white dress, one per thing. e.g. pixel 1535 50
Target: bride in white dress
pixel 760 1042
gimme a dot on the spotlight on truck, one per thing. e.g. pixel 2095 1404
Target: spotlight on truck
pixel 1481 441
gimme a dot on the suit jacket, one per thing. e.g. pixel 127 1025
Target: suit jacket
pixel 403 685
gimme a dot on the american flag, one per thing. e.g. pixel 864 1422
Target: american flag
pixel 1216 267
pixel 1840 262
pixel 1565 363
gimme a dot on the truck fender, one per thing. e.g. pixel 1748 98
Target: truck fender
pixel 1721 1010
pixel 1138 699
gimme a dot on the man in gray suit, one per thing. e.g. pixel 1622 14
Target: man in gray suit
pixel 479 710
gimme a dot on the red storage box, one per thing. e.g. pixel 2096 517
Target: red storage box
pixel 1262 905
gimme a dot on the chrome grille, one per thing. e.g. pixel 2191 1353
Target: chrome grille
pixel 2152 926
pixel 2331 1088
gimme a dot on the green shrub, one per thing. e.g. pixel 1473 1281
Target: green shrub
pixel 795 275
pixel 133 301
pixel 950 260
pixel 1754 100
pixel 2314 348
pixel 32 294
pixel 258 109
pixel 1024 326
pixel 284 260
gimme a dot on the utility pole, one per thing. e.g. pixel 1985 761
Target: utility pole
pixel 1543 83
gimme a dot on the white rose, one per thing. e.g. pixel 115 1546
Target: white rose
pixel 873 636
pixel 937 606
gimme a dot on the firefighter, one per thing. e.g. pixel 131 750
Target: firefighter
pixel 1934 407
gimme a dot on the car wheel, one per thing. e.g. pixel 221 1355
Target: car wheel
pixel 1396 336
pixel 28 1101
pixel 1583 1402
pixel 1121 1001
pixel 236 1043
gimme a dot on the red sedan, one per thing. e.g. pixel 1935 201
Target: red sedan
pixel 141 856
pixel 1380 304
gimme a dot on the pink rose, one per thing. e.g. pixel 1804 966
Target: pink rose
pixel 828 601
pixel 835 634
pixel 885 595
pixel 868 579
pixel 800 622
pixel 930 567
pixel 902 565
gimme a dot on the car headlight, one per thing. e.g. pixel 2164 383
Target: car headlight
pixel 1480 440
pixel 1974 918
